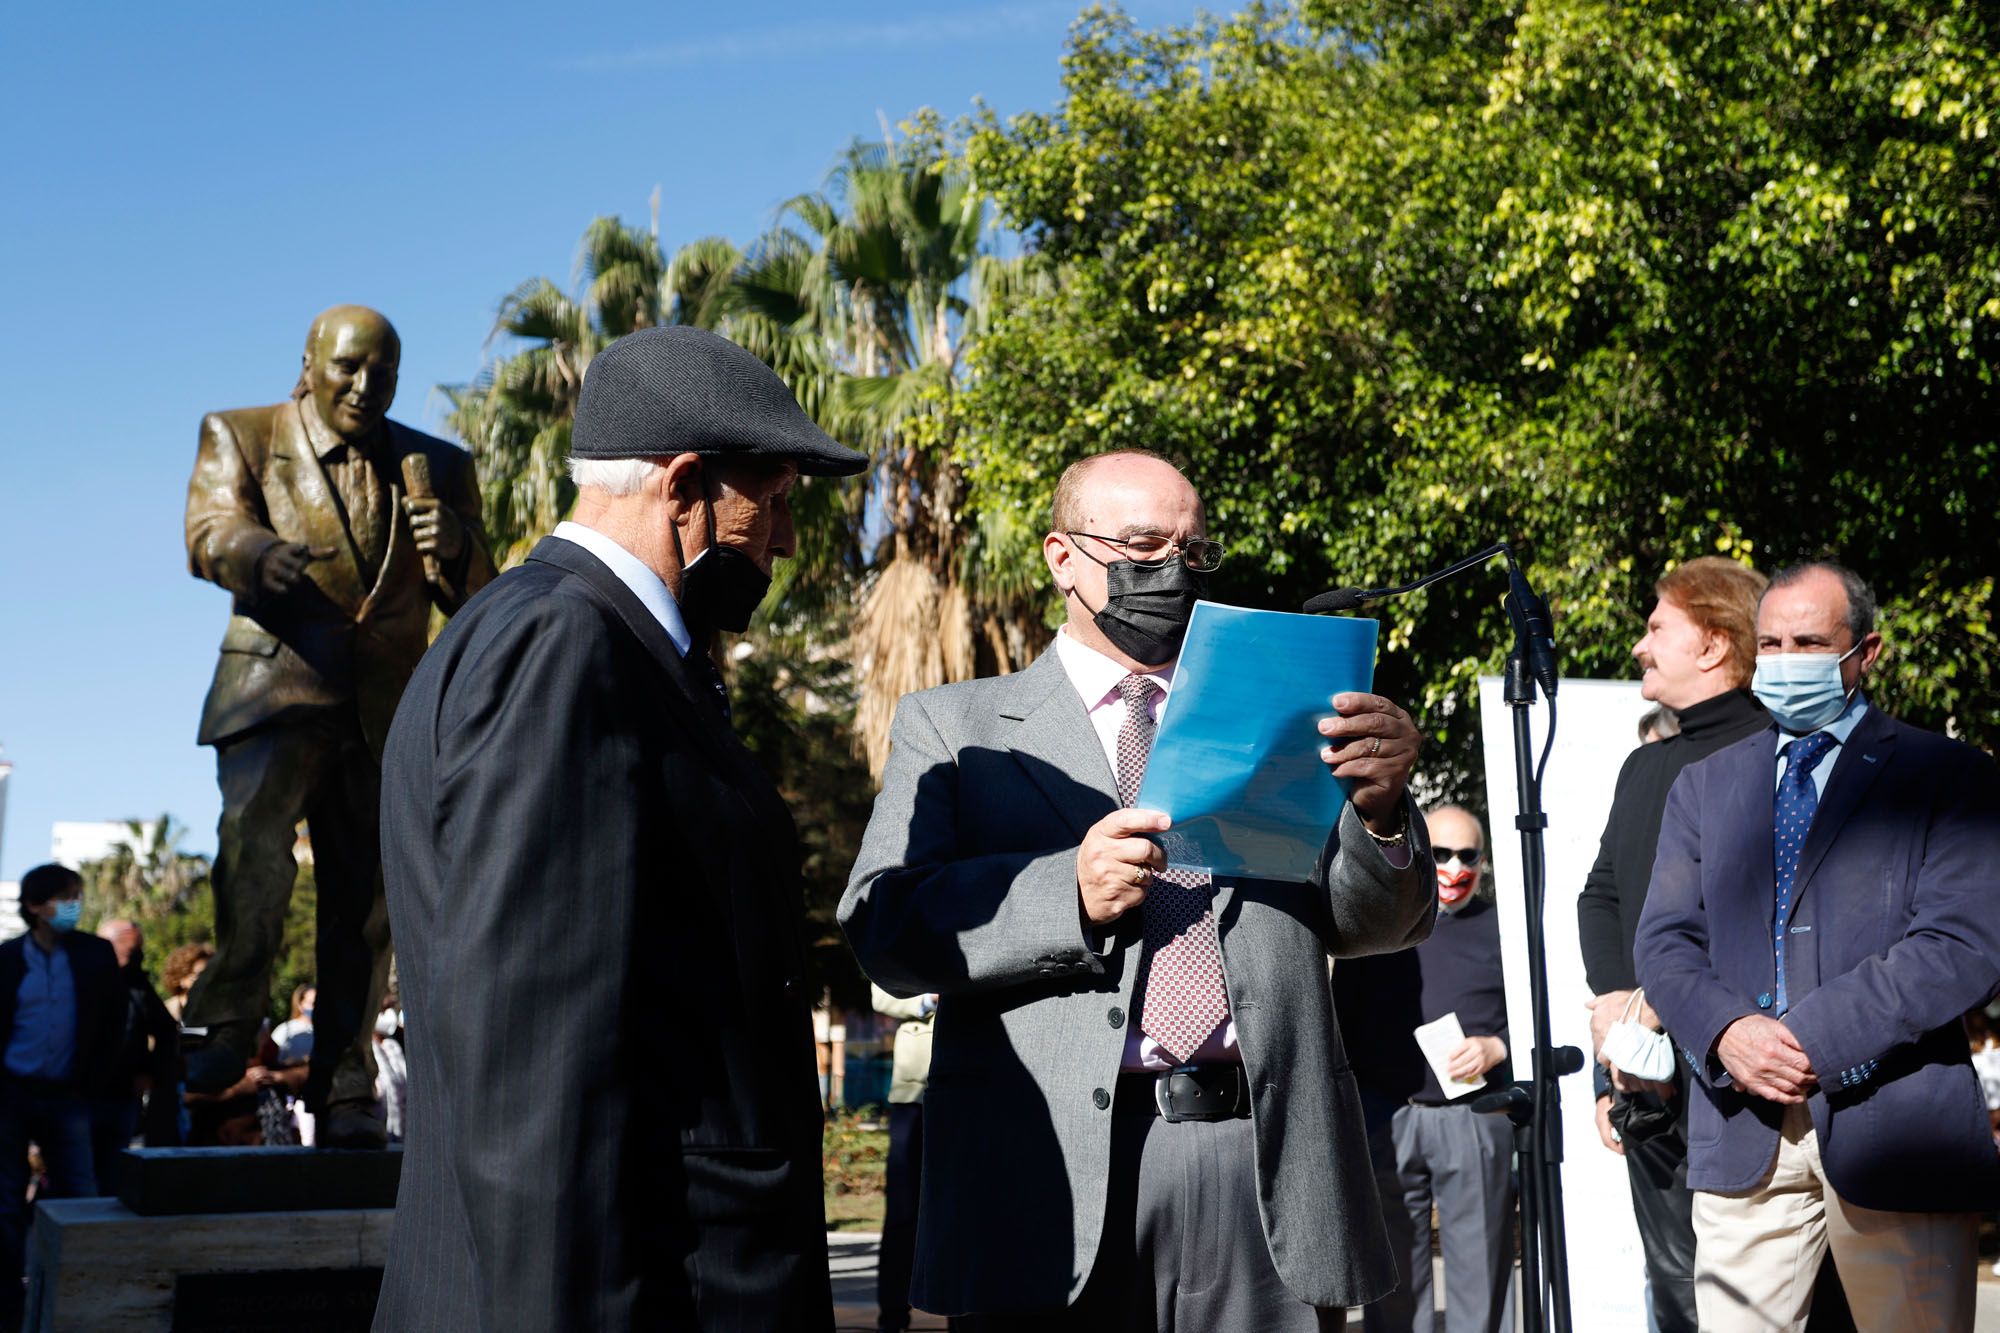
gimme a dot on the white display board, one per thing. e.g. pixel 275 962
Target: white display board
pixel 1596 727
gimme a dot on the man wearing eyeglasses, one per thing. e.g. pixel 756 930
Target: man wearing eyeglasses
pixel 1139 1112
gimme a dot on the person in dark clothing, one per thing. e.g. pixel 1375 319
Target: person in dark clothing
pixel 1431 1146
pixel 60 1015
pixel 1698 653
pixel 138 1090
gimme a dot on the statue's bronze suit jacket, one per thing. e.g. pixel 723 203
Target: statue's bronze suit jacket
pixel 337 635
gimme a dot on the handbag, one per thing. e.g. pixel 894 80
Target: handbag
pixel 1638 1050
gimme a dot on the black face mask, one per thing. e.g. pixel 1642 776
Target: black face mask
pixel 722 588
pixel 1146 608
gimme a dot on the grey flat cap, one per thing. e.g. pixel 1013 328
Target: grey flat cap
pixel 682 390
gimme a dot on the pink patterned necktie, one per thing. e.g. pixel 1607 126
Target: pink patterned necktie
pixel 1184 998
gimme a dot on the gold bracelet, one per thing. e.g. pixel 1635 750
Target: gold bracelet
pixel 1396 839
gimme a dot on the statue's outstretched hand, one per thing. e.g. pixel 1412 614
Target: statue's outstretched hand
pixel 283 567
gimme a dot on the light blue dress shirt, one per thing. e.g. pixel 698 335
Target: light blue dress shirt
pixel 43 1042
pixel 631 571
pixel 1840 729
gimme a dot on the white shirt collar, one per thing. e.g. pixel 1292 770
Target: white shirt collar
pixel 1096 676
pixel 631 571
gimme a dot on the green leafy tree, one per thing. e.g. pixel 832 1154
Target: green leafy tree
pixel 1621 283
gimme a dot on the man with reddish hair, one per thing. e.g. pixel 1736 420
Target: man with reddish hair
pixel 1697 656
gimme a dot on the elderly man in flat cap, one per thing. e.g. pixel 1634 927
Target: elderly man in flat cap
pixel 614 1116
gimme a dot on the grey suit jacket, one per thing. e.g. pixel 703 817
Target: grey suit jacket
pixel 966 886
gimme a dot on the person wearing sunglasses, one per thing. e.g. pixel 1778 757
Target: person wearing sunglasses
pixel 1138 1114
pixel 1429 1146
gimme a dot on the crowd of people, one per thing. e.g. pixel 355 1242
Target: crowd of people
pixel 92 1063
pixel 1139 1111
pixel 1127 1094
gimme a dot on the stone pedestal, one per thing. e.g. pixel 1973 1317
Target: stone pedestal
pixel 222 1240
pixel 95 1264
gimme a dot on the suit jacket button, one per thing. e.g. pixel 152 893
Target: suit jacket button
pixel 791 986
pixel 1100 1098
pixel 1764 1000
pixel 1116 1017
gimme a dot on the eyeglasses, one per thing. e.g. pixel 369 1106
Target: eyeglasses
pixel 1465 856
pixel 1152 548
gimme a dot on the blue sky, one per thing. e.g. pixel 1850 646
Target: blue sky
pixel 186 185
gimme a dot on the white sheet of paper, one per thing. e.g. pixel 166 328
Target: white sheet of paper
pixel 1437 1041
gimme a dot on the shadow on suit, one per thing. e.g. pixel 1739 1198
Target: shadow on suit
pixel 976 1072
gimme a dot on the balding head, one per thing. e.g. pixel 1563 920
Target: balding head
pixel 125 940
pixel 1100 503
pixel 351 359
pixel 1456 835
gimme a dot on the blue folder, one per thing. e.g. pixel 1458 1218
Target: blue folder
pixel 1236 761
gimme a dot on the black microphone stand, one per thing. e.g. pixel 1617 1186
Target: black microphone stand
pixel 1533 1106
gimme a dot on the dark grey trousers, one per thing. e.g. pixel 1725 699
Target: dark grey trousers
pixel 314 766
pixel 1463 1162
pixel 1183 1248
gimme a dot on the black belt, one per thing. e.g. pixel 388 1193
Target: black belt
pixel 1189 1092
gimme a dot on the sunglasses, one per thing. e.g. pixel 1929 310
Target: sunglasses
pixel 1465 856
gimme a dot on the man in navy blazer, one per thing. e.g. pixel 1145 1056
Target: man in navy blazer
pixel 1820 915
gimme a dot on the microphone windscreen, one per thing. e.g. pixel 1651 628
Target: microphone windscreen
pixel 1340 599
pixel 417 477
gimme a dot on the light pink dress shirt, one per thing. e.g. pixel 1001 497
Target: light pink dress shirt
pixel 1096 678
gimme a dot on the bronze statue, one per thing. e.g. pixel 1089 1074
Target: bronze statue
pixel 336 530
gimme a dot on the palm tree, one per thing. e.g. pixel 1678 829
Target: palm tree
pixel 864 297
pixel 895 288
pixel 146 874
pixel 515 417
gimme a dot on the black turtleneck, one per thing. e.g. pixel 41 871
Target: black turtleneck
pixel 1607 914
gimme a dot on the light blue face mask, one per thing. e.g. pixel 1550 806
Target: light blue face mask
pixel 69 911
pixel 1802 691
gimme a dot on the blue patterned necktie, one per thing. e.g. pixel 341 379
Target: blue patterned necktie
pixel 1791 820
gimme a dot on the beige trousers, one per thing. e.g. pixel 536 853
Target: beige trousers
pixel 1757 1253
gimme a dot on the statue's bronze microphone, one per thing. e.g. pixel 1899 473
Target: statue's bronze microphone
pixel 417 481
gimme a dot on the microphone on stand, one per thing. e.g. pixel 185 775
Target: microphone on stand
pixel 1533 1106
pixel 1347 599
pixel 1532 623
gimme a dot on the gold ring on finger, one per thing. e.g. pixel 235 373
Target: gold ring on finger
pixel 1376 748
pixel 1139 876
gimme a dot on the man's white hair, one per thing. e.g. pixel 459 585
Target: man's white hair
pixel 614 476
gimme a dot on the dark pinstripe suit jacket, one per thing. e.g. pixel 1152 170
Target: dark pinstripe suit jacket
pixel 614 1121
